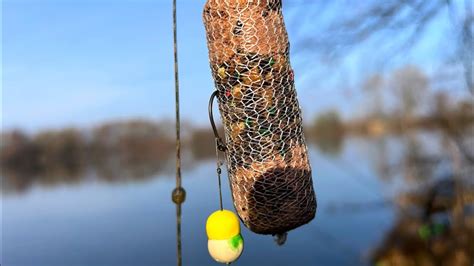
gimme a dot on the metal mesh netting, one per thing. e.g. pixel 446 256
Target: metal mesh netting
pixel 266 153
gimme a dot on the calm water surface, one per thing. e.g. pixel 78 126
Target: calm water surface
pixel 134 223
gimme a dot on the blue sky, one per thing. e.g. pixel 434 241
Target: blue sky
pixel 80 63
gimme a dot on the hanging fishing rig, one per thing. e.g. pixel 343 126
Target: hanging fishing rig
pixel 265 150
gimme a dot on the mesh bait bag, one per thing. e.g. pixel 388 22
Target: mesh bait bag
pixel 265 149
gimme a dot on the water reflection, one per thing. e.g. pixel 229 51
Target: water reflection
pixel 425 177
pixel 115 152
pixel 435 226
pixel 69 157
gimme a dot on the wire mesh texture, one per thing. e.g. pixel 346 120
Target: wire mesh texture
pixel 266 153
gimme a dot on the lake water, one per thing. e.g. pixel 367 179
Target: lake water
pixel 134 222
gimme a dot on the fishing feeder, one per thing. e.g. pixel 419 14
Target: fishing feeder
pixel 265 150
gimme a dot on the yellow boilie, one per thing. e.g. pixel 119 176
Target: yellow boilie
pixel 225 243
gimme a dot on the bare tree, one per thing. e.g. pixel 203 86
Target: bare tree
pixel 374 85
pixel 405 21
pixel 409 85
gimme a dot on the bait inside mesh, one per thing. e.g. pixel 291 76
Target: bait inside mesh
pixel 266 153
